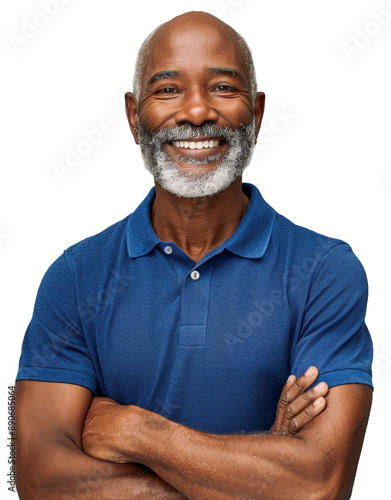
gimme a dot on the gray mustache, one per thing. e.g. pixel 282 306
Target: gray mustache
pixel 188 131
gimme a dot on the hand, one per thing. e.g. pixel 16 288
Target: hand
pixel 297 407
pixel 106 426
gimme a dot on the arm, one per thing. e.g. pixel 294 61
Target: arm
pixel 49 460
pixel 318 463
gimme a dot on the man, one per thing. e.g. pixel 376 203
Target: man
pixel 188 316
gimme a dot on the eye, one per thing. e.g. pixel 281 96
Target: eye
pixel 166 90
pixel 224 88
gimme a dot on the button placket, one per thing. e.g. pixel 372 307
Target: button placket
pixel 195 306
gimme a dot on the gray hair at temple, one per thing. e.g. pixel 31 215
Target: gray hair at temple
pixel 143 53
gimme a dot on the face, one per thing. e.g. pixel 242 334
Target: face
pixel 196 121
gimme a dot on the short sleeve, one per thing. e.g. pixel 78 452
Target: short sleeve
pixel 54 347
pixel 333 334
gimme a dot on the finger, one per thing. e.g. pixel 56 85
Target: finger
pixel 302 384
pixel 306 416
pixel 283 402
pixel 289 383
pixel 296 390
pixel 305 400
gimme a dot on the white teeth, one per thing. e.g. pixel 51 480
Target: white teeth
pixel 196 145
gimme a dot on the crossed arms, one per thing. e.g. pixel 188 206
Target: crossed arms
pixel 70 445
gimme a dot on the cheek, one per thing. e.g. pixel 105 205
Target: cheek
pixel 235 111
pixel 156 116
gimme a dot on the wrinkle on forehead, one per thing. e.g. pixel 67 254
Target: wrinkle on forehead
pixel 191 30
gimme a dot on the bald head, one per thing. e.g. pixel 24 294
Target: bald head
pixel 201 26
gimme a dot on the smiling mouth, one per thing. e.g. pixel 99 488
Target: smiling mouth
pixel 205 144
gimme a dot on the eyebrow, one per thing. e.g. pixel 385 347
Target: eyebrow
pixel 233 73
pixel 165 75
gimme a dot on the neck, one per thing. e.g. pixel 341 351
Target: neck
pixel 197 225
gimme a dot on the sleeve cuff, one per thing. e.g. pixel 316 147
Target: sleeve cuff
pixel 340 377
pixel 58 375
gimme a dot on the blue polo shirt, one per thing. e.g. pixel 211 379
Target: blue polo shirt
pixel 207 344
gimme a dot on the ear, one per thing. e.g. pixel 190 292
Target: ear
pixel 131 113
pixel 259 109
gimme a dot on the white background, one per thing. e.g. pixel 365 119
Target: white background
pixel 328 167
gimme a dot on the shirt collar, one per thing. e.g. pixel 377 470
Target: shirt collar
pixel 250 239
pixel 252 236
pixel 141 238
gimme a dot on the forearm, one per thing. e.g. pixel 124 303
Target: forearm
pixel 203 465
pixel 319 463
pixel 63 471
pixel 222 467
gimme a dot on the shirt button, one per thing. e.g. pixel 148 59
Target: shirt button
pixel 195 275
pixel 168 250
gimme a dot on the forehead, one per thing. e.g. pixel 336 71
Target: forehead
pixel 192 47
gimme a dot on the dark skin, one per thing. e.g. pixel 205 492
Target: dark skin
pixel 51 462
pixel 315 443
pixel 198 93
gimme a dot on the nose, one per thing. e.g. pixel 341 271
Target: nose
pixel 196 108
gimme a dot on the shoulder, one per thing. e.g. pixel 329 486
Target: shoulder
pixel 85 261
pixel 289 233
pixel 98 245
pixel 312 247
pixel 90 260
pixel 114 242
pixel 286 237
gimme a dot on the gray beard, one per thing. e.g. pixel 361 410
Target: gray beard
pixel 241 144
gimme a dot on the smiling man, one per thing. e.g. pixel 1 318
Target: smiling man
pixel 155 364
